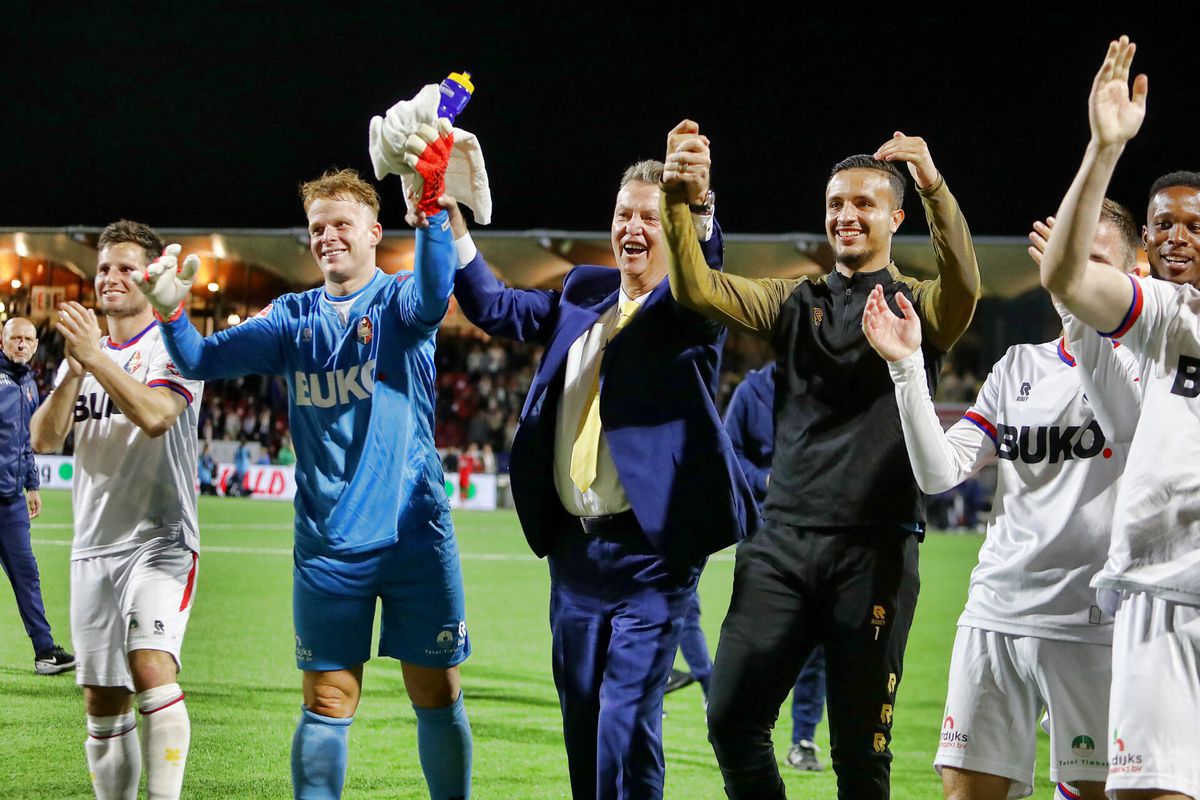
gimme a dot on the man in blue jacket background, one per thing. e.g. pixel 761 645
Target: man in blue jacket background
pixel 20 500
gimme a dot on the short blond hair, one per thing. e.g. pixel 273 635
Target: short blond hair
pixel 340 184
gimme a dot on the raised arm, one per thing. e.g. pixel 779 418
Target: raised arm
pixel 940 459
pixel 434 268
pixel 947 303
pixel 1097 296
pixel 1109 380
pixel 742 303
pixel 251 348
pixel 428 153
pixel 497 309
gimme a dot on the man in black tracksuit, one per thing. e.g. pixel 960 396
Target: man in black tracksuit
pixel 835 562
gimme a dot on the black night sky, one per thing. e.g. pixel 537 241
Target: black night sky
pixel 210 115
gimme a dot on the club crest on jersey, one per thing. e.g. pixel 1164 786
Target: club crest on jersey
pixel 134 363
pixel 366 331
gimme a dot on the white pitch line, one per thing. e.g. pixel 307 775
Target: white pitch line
pixel 234 526
pixel 280 551
pixel 216 526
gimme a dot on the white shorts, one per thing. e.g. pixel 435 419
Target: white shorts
pixel 1155 699
pixel 999 685
pixel 136 600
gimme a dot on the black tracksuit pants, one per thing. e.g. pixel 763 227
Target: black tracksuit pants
pixel 854 590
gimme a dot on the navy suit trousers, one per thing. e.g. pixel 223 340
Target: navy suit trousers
pixel 808 698
pixel 694 646
pixel 16 556
pixel 616 614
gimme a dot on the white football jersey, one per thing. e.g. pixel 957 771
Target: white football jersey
pixel 1156 534
pixel 128 487
pixel 1057 475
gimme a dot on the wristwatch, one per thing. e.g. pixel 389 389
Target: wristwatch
pixel 705 209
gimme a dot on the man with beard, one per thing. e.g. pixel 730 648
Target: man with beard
pixel 836 560
pixel 137 541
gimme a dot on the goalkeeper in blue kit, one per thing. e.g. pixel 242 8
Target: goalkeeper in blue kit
pixel 372 518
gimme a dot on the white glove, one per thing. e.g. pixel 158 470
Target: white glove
pixel 166 284
pixel 388 135
pixel 466 174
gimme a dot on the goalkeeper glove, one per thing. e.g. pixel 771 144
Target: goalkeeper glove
pixel 428 153
pixel 166 284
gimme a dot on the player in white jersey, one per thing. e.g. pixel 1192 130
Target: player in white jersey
pixel 1032 635
pixel 135 553
pixel 1154 560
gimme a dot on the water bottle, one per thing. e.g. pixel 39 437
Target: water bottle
pixel 456 92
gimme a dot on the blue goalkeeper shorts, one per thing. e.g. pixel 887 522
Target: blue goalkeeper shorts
pixel 419 582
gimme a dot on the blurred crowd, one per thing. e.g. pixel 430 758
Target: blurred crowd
pixel 481 387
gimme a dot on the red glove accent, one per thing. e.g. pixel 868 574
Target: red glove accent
pixel 432 168
pixel 174 316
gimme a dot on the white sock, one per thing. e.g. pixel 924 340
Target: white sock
pixel 1065 791
pixel 166 733
pixel 113 756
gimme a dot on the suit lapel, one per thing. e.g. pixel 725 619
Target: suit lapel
pixel 574 321
pixel 657 296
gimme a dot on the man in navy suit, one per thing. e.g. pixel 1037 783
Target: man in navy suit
pixel 622 473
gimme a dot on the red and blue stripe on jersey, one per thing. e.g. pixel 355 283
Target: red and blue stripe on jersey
pixel 1131 316
pixel 979 421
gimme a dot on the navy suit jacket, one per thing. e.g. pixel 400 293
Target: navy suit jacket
pixel 658 377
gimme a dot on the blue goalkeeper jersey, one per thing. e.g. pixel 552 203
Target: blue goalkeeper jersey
pixel 360 396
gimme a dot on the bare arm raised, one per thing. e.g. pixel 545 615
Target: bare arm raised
pixel 1098 297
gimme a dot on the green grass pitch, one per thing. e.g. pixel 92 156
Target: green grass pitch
pixel 243 687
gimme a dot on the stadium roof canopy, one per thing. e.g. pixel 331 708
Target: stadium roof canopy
pixel 251 266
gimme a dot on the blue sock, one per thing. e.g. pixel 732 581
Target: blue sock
pixel 444 745
pixel 319 751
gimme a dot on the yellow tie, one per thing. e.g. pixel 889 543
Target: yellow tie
pixel 587 437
